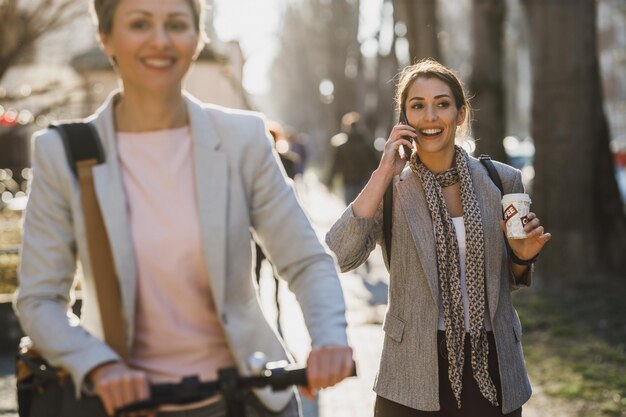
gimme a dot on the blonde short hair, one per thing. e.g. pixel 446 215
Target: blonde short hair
pixel 104 10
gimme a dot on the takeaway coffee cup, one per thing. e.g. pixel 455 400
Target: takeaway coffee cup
pixel 515 208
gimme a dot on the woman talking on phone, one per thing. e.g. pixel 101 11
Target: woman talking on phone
pixel 452 337
pixel 183 188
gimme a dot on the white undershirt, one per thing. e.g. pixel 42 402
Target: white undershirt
pixel 459 226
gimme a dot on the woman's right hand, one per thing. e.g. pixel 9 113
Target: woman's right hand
pixel 391 161
pixel 117 385
pixel 391 164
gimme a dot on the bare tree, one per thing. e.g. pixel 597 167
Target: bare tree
pixel 319 50
pixel 294 73
pixel 23 24
pixel 486 83
pixel 575 189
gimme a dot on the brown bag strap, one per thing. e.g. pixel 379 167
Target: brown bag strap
pixel 107 285
pixel 84 150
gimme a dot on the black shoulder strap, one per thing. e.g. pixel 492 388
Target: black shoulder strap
pixel 81 143
pixel 387 219
pixel 493 173
pixel 495 177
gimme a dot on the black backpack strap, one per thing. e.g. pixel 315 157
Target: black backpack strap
pixel 493 173
pixel 387 219
pixel 495 177
pixel 81 143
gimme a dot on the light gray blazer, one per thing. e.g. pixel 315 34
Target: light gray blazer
pixel 241 192
pixel 408 371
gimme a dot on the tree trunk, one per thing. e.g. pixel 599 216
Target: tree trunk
pixel 487 84
pixel 575 189
pixel 343 52
pixel 420 18
pixel 384 112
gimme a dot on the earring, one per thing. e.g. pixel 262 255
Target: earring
pixel 113 60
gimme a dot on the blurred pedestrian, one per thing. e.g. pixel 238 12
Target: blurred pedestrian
pixel 453 338
pixel 299 144
pixel 288 158
pixel 354 157
pixel 182 187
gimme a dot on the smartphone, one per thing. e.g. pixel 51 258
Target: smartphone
pixel 403 120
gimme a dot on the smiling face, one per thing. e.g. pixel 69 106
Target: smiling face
pixel 432 110
pixel 153 42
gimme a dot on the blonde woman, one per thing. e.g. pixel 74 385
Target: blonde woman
pixel 183 186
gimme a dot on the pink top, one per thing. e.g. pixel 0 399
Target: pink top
pixel 177 330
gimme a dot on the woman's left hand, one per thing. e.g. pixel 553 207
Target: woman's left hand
pixel 326 366
pixel 529 247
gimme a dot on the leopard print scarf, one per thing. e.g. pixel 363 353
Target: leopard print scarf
pixel 448 268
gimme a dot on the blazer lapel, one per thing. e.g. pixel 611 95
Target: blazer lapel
pixel 413 200
pixel 113 205
pixel 211 177
pixel 488 196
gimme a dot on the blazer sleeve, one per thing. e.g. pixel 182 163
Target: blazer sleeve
pixel 352 238
pixel 517 186
pixel 48 266
pixel 283 230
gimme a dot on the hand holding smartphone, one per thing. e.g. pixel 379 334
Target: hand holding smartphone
pixel 407 150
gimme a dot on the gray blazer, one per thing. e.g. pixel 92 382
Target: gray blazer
pixel 408 371
pixel 241 192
